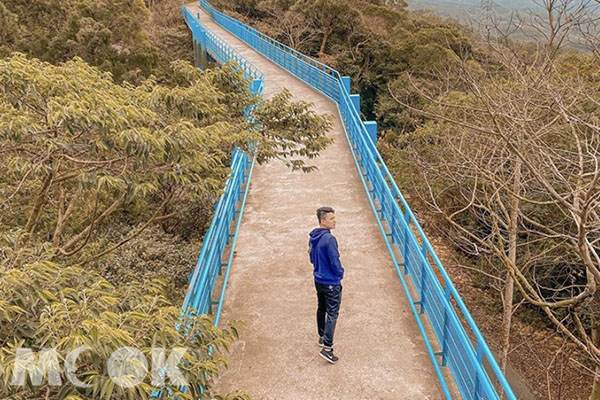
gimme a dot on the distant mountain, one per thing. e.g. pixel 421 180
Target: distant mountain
pixel 456 7
pixel 464 8
pixel 468 11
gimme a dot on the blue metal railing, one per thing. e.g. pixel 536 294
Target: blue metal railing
pixel 316 74
pixel 199 296
pixel 457 341
pixel 221 51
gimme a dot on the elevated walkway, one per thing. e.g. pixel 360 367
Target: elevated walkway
pixel 382 353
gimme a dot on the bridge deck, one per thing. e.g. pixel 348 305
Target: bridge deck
pixel 382 354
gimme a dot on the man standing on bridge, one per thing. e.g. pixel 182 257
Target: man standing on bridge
pixel 328 273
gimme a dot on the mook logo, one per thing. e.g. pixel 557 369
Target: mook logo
pixel 127 367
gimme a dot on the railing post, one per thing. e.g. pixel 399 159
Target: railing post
pixel 423 281
pixel 393 224
pixel 406 233
pixel 477 380
pixel 346 83
pixel 255 85
pixel 356 102
pixel 372 130
pixel 445 329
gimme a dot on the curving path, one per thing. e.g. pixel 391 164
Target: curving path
pixel 382 354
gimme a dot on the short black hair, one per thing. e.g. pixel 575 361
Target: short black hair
pixel 321 211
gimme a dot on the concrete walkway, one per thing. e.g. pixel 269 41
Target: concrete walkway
pixel 382 354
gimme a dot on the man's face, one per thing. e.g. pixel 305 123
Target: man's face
pixel 328 221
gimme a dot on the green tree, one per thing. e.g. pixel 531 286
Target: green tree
pixel 111 35
pixel 328 16
pixel 81 151
pixel 45 305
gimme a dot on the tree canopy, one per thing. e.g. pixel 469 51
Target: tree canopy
pixel 70 134
pixel 112 35
pixel 93 163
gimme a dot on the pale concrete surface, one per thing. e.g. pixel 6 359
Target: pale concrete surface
pixel 382 354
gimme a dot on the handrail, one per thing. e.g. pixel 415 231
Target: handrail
pixel 213 13
pixel 219 49
pixel 467 354
pixel 198 298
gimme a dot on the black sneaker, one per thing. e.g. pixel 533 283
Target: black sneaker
pixel 321 342
pixel 328 355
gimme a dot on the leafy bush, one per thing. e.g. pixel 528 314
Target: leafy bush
pixel 45 305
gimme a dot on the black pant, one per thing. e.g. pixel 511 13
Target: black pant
pixel 329 298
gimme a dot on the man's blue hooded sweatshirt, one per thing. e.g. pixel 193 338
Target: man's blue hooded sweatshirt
pixel 325 257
